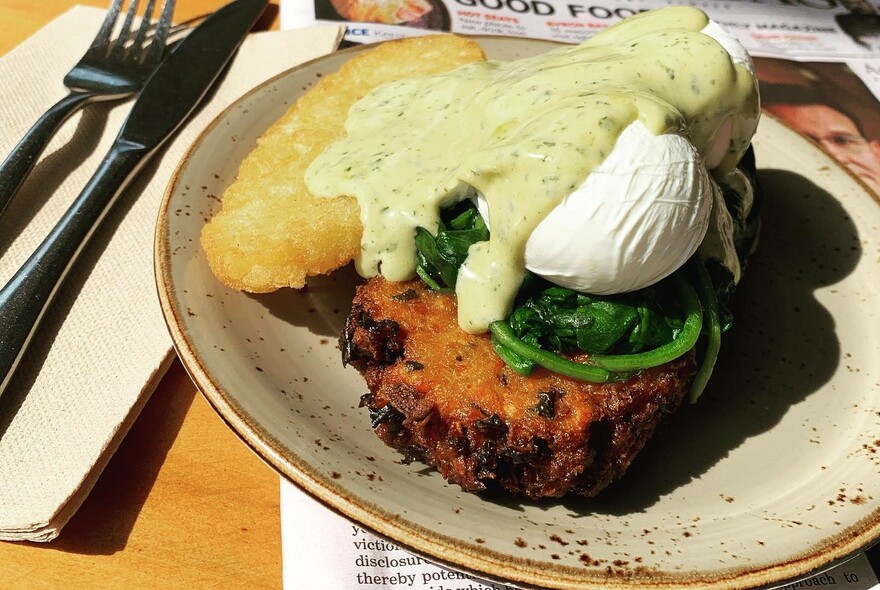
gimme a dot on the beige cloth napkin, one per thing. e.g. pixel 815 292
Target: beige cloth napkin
pixel 104 345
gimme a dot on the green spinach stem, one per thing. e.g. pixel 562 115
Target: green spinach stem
pixel 679 346
pixel 713 330
pixel 605 368
pixel 504 335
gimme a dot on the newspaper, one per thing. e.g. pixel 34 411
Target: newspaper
pixel 339 554
pixel 817 62
pixel 795 29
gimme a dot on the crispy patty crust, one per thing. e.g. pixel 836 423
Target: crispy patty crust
pixel 444 397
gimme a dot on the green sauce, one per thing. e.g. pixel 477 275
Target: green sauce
pixel 525 134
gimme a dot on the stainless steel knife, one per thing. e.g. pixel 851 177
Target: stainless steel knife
pixel 171 94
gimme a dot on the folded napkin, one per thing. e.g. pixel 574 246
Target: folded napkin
pixel 104 345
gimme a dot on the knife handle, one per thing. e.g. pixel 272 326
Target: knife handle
pixel 28 294
pixel 23 156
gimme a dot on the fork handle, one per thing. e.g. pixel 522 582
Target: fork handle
pixel 21 160
pixel 28 294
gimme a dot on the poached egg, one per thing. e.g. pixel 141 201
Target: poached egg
pixel 643 212
pixel 595 165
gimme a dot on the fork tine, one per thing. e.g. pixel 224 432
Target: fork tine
pixel 119 47
pixel 157 47
pixel 146 24
pixel 103 36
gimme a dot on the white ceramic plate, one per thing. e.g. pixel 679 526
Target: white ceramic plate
pixel 774 473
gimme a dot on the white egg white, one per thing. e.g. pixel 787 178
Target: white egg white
pixel 636 219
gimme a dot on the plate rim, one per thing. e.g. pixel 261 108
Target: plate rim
pixel 431 544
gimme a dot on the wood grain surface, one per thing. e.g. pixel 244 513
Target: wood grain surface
pixel 183 503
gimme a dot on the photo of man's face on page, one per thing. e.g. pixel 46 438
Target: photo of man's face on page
pixel 829 105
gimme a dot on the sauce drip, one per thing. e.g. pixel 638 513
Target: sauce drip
pixel 525 134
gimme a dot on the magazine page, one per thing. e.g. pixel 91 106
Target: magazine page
pixel 829 104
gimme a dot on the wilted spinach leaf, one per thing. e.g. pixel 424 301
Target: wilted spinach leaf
pixel 562 320
pixel 440 256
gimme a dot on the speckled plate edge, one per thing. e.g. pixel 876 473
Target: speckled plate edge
pixel 428 543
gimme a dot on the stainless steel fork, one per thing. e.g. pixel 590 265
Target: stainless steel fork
pixel 114 67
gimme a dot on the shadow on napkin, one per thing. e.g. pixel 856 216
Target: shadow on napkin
pixel 43 179
pixel 36 354
pixel 103 523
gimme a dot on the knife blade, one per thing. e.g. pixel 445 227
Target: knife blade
pixel 167 99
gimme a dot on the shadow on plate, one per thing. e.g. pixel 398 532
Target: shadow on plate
pixel 781 349
pixel 321 307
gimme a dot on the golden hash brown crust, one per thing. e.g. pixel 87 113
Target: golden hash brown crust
pixel 443 396
pixel 271 232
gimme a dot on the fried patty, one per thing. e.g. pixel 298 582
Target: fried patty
pixel 443 396
pixel 271 231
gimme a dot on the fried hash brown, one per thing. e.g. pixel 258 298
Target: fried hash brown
pixel 443 396
pixel 271 232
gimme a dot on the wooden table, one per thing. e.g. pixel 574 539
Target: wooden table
pixel 183 503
